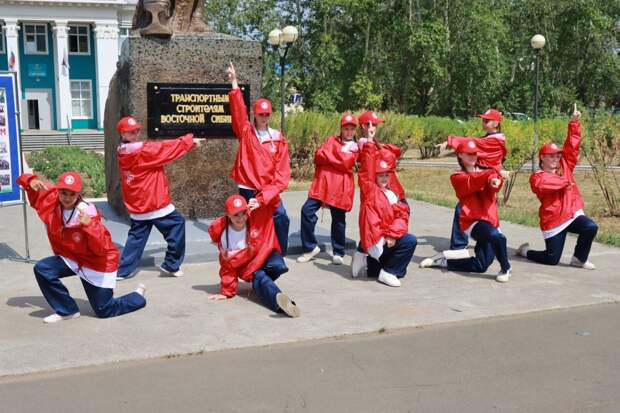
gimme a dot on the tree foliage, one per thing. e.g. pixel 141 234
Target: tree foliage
pixel 436 57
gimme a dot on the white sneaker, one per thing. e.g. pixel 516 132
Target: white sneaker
pixel 523 249
pixel 141 289
pixel 54 318
pixel 131 275
pixel 337 260
pixel 177 273
pixel 388 279
pixel 503 277
pixel 436 260
pixel 309 255
pixel 358 264
pixel 575 262
pixel 289 307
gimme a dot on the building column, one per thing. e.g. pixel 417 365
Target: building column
pixel 61 72
pixel 106 54
pixel 11 32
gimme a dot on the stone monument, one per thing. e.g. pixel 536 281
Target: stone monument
pixel 171 44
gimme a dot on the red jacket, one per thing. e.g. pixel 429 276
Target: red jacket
pixel 256 165
pixel 491 149
pixel 261 241
pixel 394 183
pixel 333 182
pixel 558 192
pixel 378 218
pixel 88 245
pixel 143 179
pixel 477 196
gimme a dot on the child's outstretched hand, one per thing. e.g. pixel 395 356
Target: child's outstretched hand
pixel 505 174
pixel 232 75
pixel 198 142
pixel 253 203
pixel 37 184
pixel 217 297
pixel 576 114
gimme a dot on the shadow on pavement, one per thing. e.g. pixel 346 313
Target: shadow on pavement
pixel 43 307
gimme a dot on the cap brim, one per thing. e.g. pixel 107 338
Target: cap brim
pixel 132 128
pixel 67 187
pixel 551 152
pixel 235 211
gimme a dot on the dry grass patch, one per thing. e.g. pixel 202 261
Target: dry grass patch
pixel 433 185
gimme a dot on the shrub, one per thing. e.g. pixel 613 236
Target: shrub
pixel 54 160
pixel 601 145
pixel 307 130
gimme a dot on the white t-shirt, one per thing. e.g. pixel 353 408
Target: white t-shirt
pixel 391 196
pixel 236 239
pixel 555 231
pixel 349 146
pixel 94 277
pixel 158 213
pixel 269 135
pixel 377 250
pixel 69 217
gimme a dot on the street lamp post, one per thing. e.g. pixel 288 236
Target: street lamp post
pixel 281 40
pixel 537 42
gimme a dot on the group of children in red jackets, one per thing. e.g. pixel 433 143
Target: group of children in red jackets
pixel 252 236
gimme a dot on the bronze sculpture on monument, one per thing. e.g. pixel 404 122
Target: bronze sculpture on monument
pixel 165 17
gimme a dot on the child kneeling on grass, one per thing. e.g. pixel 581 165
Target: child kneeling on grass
pixel 249 249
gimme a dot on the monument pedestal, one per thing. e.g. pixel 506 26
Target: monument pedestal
pixel 200 180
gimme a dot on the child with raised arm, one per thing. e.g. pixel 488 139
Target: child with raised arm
pixel 476 189
pixel 146 194
pixel 82 246
pixel 248 249
pixel 384 218
pixel 369 123
pixel 262 168
pixel 491 154
pixel 561 204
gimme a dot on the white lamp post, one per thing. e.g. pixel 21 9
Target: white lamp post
pixel 538 42
pixel 281 40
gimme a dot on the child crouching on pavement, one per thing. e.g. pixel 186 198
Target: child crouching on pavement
pixel 82 246
pixel 249 250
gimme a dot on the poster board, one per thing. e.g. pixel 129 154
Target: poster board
pixel 10 151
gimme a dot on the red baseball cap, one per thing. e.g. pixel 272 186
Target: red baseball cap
pixel 467 146
pixel 549 149
pixel 385 163
pixel 492 114
pixel 70 180
pixel 235 204
pixel 371 117
pixel 262 106
pixel 128 124
pixel 348 119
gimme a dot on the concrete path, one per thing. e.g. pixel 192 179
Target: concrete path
pixel 179 319
pixel 556 361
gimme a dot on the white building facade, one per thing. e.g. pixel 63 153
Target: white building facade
pixel 64 53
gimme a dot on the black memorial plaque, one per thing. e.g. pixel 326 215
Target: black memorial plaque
pixel 174 109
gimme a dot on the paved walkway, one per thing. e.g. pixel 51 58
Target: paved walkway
pixel 179 319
